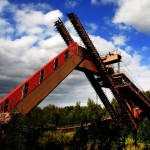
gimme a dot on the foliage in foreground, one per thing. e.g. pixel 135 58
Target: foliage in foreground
pixel 54 140
pixel 38 130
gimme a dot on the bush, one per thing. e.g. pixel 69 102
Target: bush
pixel 54 140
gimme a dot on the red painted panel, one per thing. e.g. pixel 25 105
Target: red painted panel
pixel 16 95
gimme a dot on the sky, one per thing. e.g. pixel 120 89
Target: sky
pixel 28 40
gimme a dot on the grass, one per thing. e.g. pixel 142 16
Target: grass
pixel 130 145
pixel 70 134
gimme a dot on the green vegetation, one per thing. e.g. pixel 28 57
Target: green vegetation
pixel 38 130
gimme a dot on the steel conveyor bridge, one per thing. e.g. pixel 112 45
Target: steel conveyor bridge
pixel 97 70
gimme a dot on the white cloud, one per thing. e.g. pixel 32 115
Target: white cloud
pixel 145 48
pixel 43 7
pixel 17 46
pixel 119 40
pixel 27 19
pixel 124 27
pixel 70 27
pixel 103 46
pixel 98 2
pixel 3 4
pixel 5 28
pixel 135 71
pixel 93 27
pixel 35 31
pixel 134 13
pixel 128 49
pixel 3 22
pixel 39 57
pixel 26 22
pixel 35 42
pixel 52 16
pixel 55 41
pixel 71 3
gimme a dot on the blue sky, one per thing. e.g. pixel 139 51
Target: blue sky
pixel 28 40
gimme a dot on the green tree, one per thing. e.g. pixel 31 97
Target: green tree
pixel 93 110
pixel 65 116
pixel 15 133
pixel 50 115
pixel 117 107
pixel 147 94
pixel 80 139
pixel 103 136
pixel 144 132
pixel 36 117
pixel 75 114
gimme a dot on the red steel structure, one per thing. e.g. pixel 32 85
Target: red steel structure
pixel 9 102
pixel 68 40
pixel 97 70
pixel 58 69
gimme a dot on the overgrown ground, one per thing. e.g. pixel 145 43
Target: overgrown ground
pixel 38 130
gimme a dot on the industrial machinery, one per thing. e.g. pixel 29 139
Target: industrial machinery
pixel 97 69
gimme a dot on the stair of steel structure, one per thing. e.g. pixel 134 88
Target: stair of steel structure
pixel 63 32
pixel 123 105
pixel 68 39
pixel 88 43
pixel 125 85
pixel 116 85
pixel 99 64
pixel 103 98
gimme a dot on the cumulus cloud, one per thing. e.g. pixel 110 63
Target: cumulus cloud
pixel 119 40
pixel 131 64
pixel 124 27
pixel 5 28
pixel 138 73
pixel 93 27
pixel 3 5
pixel 71 3
pixel 145 48
pixel 55 42
pixel 20 53
pixel 103 46
pixel 34 41
pixel 128 49
pixel 98 2
pixel 26 22
pixel 134 13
